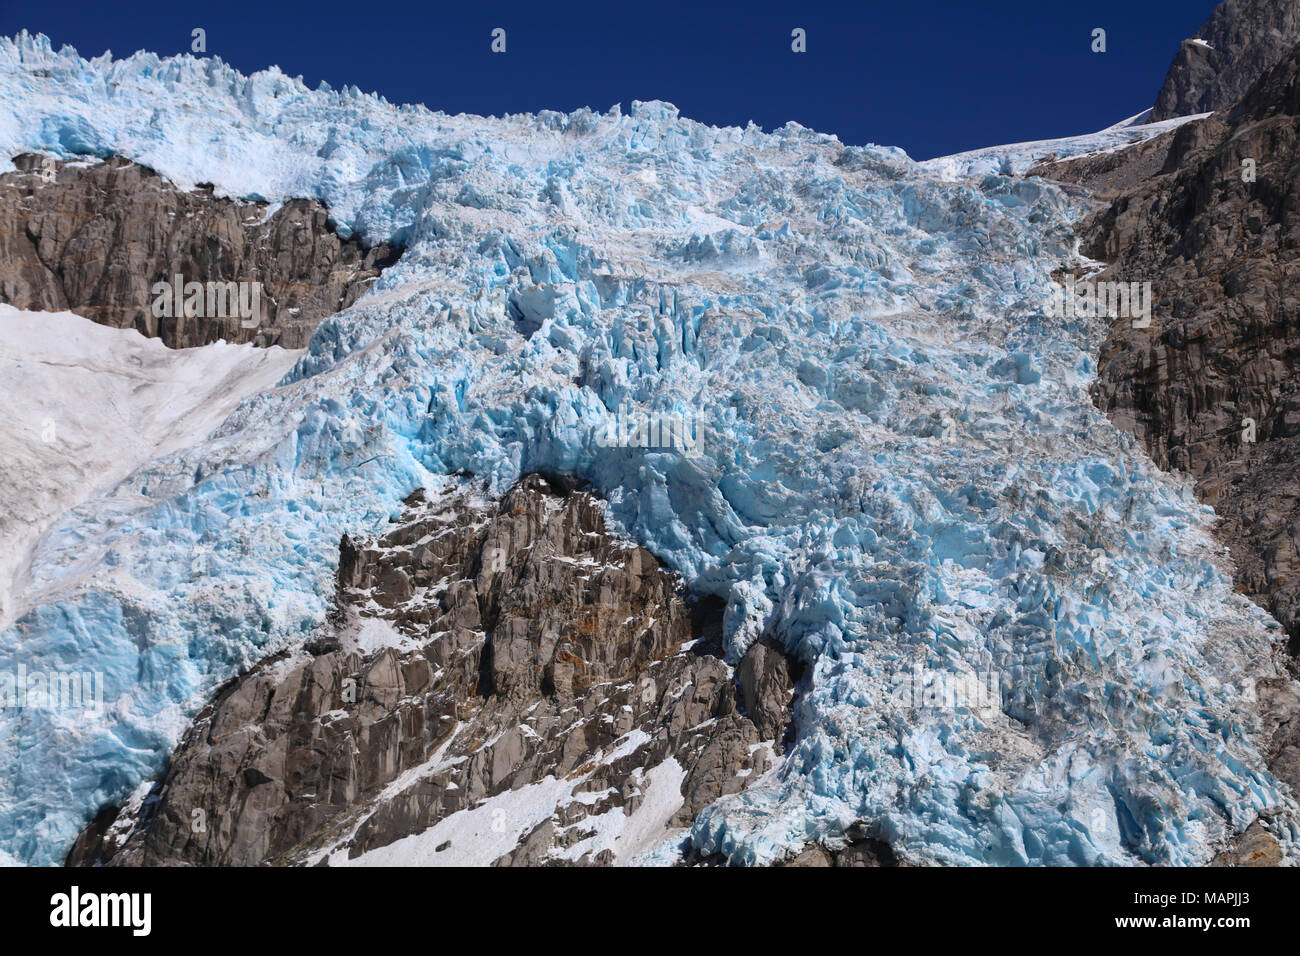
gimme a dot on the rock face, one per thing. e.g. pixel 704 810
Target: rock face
pixel 1255 847
pixel 1106 176
pixel 767 682
pixel 481 662
pixel 1213 386
pixel 98 237
pixel 1218 240
pixel 860 850
pixel 1241 40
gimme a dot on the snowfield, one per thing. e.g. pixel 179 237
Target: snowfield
pixel 901 465
pixel 86 405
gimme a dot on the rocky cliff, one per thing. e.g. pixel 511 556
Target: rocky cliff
pixel 94 238
pixel 1241 40
pixel 517 664
pixel 1213 387
pixel 1207 213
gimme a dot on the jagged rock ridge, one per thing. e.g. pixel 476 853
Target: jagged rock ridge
pixel 1241 40
pixel 475 652
pixel 98 237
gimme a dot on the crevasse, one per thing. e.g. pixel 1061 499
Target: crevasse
pixel 901 466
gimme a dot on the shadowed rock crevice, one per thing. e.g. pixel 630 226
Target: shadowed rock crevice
pixel 97 238
pixel 480 658
pixel 768 679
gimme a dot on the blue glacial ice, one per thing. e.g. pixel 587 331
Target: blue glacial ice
pixel 901 466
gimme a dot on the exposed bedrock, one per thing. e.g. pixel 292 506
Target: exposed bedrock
pixel 859 847
pixel 95 237
pixel 1241 40
pixel 1213 386
pixel 476 650
pixel 1209 215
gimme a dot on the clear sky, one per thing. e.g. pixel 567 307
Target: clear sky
pixel 931 76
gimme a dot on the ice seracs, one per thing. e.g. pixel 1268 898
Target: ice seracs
pixel 824 310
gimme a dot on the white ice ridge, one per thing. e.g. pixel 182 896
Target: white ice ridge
pixel 1014 159
pixel 901 465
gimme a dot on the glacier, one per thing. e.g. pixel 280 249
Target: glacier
pixel 900 467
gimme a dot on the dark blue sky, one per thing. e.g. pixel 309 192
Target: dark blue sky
pixel 932 76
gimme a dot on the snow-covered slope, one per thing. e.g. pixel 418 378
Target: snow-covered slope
pixel 85 405
pixel 901 465
pixel 1014 159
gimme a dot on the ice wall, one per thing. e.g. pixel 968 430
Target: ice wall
pixel 900 468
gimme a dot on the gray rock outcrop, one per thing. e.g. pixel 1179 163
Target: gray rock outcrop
pixel 1241 40
pixel 1223 351
pixel 96 240
pixel 474 651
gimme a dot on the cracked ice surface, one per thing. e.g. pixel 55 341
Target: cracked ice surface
pixel 901 465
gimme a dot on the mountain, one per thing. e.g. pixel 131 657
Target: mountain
pixel 650 423
pixel 1241 40
pixel 515 670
